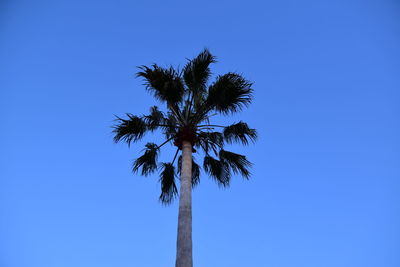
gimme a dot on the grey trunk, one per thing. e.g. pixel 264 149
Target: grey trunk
pixel 184 240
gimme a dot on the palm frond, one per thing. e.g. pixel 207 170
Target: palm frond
pixel 214 137
pixel 164 83
pixel 218 170
pixel 155 118
pixel 229 94
pixel 129 130
pixel 148 161
pixel 196 72
pixel 207 146
pixel 239 132
pixel 238 163
pixel 170 130
pixel 195 171
pixel 204 144
pixel 167 179
pixel 210 141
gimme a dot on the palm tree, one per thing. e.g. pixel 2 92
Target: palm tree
pixel 190 104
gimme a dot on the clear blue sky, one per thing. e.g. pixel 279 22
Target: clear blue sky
pixel 325 190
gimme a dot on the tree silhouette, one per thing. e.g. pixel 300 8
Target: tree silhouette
pixel 186 123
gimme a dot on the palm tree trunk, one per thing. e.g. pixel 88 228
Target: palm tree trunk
pixel 184 240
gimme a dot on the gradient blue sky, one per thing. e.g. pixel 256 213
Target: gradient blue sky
pixel 325 190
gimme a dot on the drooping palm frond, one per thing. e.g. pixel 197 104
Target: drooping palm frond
pixel 210 141
pixel 164 83
pixel 195 171
pixel 129 130
pixel 196 72
pixel 205 145
pixel 167 180
pixel 214 137
pixel 229 94
pixel 238 163
pixel 218 170
pixel 155 119
pixel 148 161
pixel 239 132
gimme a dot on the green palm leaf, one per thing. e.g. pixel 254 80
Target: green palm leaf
pixel 239 132
pixel 237 163
pixel 218 170
pixel 155 119
pixel 196 72
pixel 167 179
pixel 130 130
pixel 210 141
pixel 165 84
pixel 195 174
pixel 148 161
pixel 214 137
pixel 229 94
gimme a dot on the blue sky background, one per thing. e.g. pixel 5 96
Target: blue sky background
pixel 325 190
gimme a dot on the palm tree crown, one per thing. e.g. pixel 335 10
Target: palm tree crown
pixel 190 103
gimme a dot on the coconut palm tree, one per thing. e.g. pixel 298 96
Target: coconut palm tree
pixel 190 103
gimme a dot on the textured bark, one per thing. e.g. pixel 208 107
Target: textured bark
pixel 184 240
